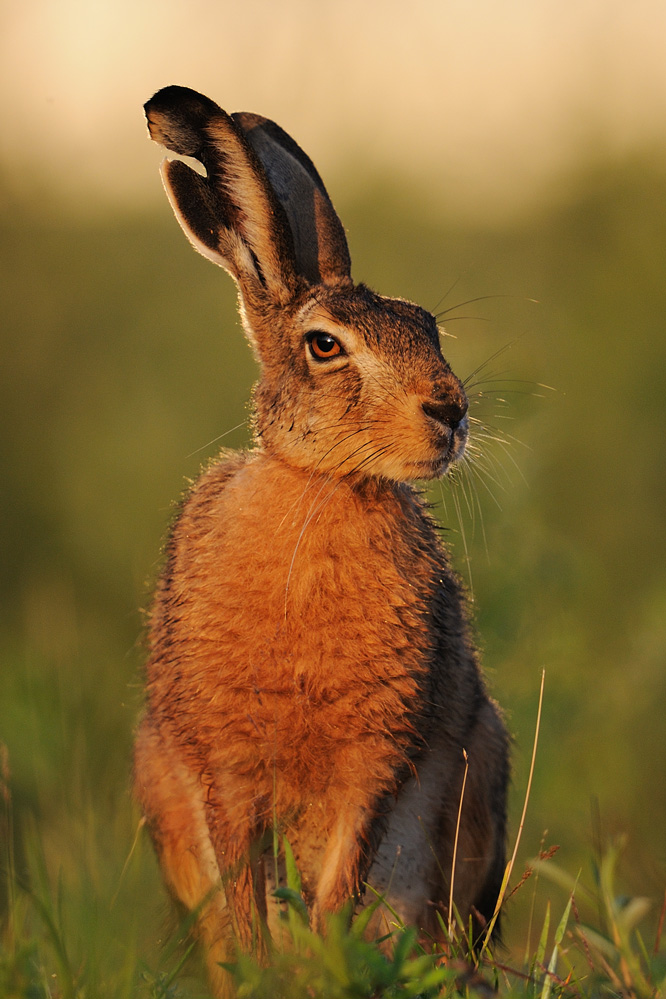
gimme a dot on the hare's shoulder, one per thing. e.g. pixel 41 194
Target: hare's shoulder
pixel 205 493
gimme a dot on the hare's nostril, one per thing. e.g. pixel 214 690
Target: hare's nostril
pixel 450 412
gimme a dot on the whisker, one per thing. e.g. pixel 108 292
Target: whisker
pixel 480 476
pixel 216 439
pixel 445 295
pixel 463 534
pixel 488 360
pixel 314 471
pixel 316 508
pixel 378 453
pixel 470 301
pixel 454 319
pixel 309 517
pixel 468 475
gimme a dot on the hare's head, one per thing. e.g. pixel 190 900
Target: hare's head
pixel 351 382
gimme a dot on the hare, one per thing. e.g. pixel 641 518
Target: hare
pixel 311 668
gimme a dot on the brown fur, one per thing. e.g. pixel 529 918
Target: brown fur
pixel 311 665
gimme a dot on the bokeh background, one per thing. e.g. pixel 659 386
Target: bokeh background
pixel 511 156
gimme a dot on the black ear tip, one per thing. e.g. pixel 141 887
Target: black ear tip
pixel 177 116
pixel 181 101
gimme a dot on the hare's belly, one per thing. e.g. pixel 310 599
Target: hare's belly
pixel 405 869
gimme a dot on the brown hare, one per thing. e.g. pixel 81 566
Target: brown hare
pixel 311 668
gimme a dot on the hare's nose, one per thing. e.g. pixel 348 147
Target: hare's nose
pixel 449 412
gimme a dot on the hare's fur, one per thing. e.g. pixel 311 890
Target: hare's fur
pixel 311 669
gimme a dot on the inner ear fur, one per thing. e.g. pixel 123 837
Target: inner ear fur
pixel 199 212
pixel 320 244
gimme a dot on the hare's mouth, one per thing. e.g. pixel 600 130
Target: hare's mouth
pixel 435 469
pixel 451 448
pixel 458 442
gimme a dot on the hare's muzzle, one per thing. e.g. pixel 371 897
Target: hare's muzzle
pixel 450 412
pixel 448 421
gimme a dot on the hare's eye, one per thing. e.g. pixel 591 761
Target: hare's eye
pixel 323 345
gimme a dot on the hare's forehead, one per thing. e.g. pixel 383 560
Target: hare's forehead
pixel 372 322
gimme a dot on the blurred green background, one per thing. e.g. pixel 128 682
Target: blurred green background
pixel 123 364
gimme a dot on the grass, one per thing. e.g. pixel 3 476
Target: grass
pixel 61 941
pixel 572 957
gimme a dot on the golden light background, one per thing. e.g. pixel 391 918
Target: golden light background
pixel 488 102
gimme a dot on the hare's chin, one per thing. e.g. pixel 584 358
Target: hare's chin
pixel 433 468
pixel 437 468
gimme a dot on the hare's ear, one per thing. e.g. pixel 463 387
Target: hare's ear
pixel 319 239
pixel 231 215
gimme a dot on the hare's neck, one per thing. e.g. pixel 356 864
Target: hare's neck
pixel 278 543
pixel 304 533
pixel 307 500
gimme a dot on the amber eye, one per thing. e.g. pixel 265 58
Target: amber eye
pixel 323 345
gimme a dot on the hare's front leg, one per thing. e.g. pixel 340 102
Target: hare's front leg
pixel 172 801
pixel 345 861
pixel 239 840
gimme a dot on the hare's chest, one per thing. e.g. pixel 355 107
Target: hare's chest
pixel 301 595
pixel 325 587
pixel 300 590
